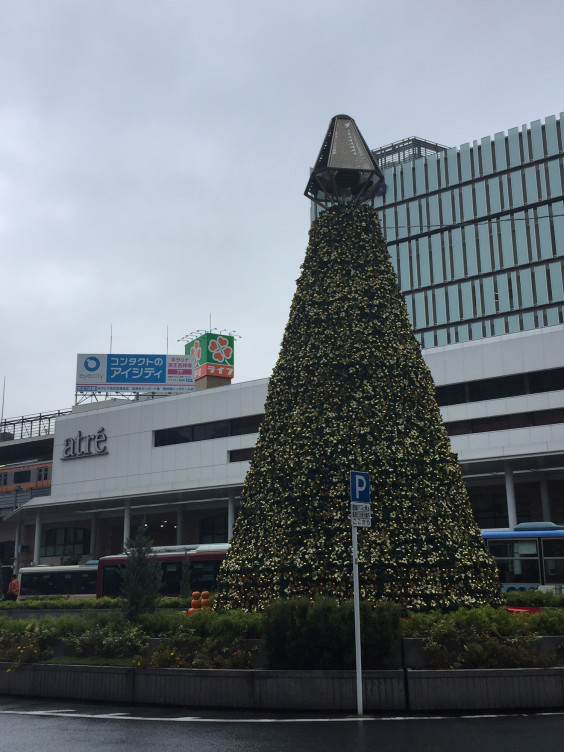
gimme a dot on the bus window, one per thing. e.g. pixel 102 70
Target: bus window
pixel 553 550
pixel 517 560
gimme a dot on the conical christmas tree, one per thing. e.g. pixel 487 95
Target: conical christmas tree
pixel 351 391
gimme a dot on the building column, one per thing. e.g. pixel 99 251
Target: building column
pixel 93 536
pixel 17 546
pixel 230 513
pixel 126 521
pixel 545 499
pixel 36 556
pixel 179 532
pixel 510 495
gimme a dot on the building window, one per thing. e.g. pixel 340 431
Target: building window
pixel 217 429
pixel 65 541
pixel 241 455
pixel 213 529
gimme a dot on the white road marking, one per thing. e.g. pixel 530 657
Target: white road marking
pixel 124 716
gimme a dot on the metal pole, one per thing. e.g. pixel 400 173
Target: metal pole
pixel 357 624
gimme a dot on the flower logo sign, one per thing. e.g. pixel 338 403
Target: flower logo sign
pixel 220 349
pixel 213 354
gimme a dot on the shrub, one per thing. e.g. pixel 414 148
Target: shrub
pixel 301 634
pixel 141 577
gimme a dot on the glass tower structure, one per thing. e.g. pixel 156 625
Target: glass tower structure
pixel 476 233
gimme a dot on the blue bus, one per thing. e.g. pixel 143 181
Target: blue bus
pixel 529 556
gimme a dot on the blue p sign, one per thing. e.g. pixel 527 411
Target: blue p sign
pixel 360 487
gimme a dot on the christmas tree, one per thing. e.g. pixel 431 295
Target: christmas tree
pixel 351 391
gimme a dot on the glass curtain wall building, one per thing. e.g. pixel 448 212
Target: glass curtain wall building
pixel 476 233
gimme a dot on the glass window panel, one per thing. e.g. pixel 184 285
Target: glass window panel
pixel 499 326
pixel 494 192
pixel 556 281
pixel 487 163
pixel 481 203
pixel 404 275
pixel 499 146
pixel 551 135
pixel 420 317
pixel 528 321
pixel 536 139
pixel 390 184
pixel 503 293
pixel 424 261
pixel 429 304
pixel 484 247
pixel 507 254
pixel 452 162
pixel 512 324
pixel 531 184
pixel 433 207
pixel 525 143
pixel 467 203
pixel 446 207
pixel 414 217
pixel 390 220
pixel 541 287
pixel 476 330
pixel 407 171
pixel 440 306
pixel 558 225
pixel 505 197
pixel 463 333
pixel 465 162
pixel 552 316
pixel 420 169
pixel 517 188
pixel 545 236
pixel 477 297
pixel 402 220
pixel 522 246
pixel 442 337
pixel 432 173
pixel 489 299
pixel 526 284
pixel 437 259
pixel 543 181
pixel 514 149
pixel 471 255
pixel 457 253
pixel 467 304
pixel 453 303
pixel 554 177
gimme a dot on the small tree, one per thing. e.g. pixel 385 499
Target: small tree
pixel 141 577
pixel 186 578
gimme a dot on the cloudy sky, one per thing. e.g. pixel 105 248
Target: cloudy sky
pixel 154 154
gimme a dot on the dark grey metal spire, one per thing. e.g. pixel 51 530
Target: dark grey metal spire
pixel 345 169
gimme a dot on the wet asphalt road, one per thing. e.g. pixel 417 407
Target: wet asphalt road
pixel 48 726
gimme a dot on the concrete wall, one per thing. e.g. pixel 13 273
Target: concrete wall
pixel 505 689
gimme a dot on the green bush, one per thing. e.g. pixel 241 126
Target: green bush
pixel 301 634
pixel 534 598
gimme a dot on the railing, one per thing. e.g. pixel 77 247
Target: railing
pixel 15 499
pixel 29 426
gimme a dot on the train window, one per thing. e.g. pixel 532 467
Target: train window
pixel 22 476
pixel 513 548
pixel 42 473
pixel 3 479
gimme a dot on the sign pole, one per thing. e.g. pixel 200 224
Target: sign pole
pixel 360 517
pixel 358 653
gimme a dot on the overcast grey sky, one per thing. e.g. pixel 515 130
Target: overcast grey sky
pixel 154 154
